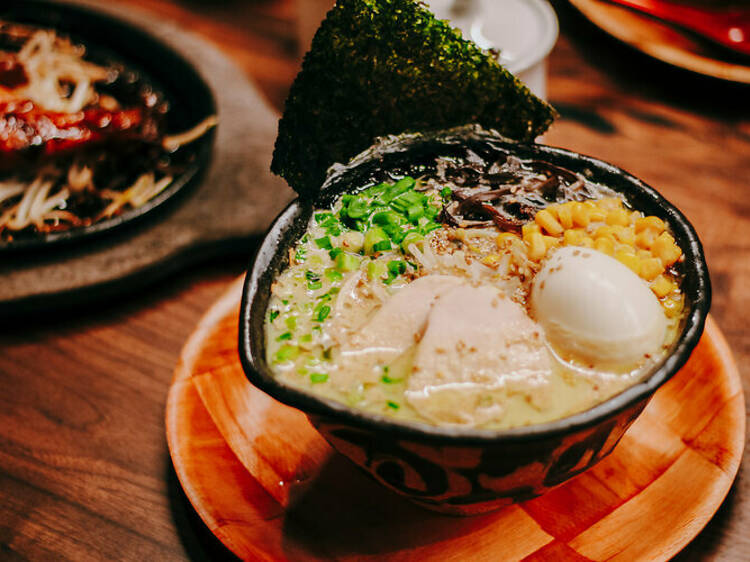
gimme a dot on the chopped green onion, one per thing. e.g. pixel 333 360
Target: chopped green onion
pixel 335 252
pixel 300 255
pixel 316 378
pixel 306 338
pixel 321 312
pixel 393 405
pixel 414 213
pixel 406 182
pixel 313 280
pixel 284 336
pixel 397 267
pixel 291 322
pixel 273 315
pixel 333 275
pixel 324 243
pixel 376 270
pixel 357 208
pixel 346 262
pixel 412 237
pixel 320 217
pixel 386 217
pixel 375 235
pixel 446 192
pixel 287 353
pixel 382 246
pixel 388 380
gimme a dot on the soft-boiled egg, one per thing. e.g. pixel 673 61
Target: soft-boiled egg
pixel 594 309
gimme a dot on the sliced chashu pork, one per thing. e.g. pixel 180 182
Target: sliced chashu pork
pixel 370 341
pixel 478 348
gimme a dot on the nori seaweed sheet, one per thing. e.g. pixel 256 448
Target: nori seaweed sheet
pixel 384 67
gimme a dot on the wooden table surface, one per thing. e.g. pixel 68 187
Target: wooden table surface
pixel 85 472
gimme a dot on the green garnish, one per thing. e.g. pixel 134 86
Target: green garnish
pixel 346 262
pixel 284 336
pixel 388 380
pixel 376 270
pixel 382 246
pixel 320 217
pixel 397 267
pixel 445 193
pixel 333 275
pixel 287 353
pixel 317 378
pixel 393 405
pixel 300 255
pixel 273 315
pixel 313 280
pixel 335 252
pixel 412 237
pixel 384 67
pixel 291 322
pixel 321 312
pixel 375 235
pixel 306 338
pixel 324 243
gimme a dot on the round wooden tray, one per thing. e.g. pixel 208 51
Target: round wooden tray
pixel 663 41
pixel 269 487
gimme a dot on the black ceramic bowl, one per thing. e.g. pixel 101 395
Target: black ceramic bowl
pixel 459 470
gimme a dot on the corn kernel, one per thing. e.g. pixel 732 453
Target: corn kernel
pixel 645 238
pixel 491 260
pixel 596 214
pixel 504 238
pixel 553 209
pixel 565 215
pixel 643 254
pixel 649 223
pixel 605 245
pixel 673 306
pixel 619 217
pixel 549 223
pixel 573 237
pixel 661 286
pixel 580 214
pixel 605 232
pixel 665 249
pixel 587 242
pixel 631 260
pixel 651 268
pixel 609 203
pixel 624 234
pixel 537 247
pixel 528 229
pixel 551 241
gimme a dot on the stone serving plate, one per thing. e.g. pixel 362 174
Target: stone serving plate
pixel 221 205
pixel 451 469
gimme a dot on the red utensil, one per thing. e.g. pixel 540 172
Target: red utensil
pixel 729 28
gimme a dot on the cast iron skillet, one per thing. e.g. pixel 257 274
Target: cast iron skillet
pixel 399 153
pixel 109 39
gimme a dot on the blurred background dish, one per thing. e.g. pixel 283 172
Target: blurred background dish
pixel 665 42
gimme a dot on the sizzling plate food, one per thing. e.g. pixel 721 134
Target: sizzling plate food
pixel 490 294
pixel 80 141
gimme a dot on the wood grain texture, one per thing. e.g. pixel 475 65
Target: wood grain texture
pixel 650 497
pixel 84 467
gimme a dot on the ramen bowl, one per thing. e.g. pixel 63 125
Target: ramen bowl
pixel 457 469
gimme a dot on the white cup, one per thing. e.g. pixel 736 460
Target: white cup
pixel 524 31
